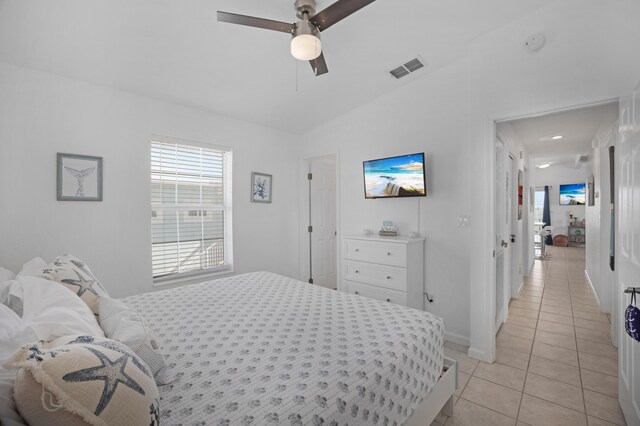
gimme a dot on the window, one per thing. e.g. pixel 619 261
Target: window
pixel 190 208
pixel 538 206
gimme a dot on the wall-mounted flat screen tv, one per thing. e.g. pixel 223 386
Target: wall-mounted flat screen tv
pixel 574 194
pixel 392 177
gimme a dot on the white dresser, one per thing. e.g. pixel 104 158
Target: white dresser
pixel 384 268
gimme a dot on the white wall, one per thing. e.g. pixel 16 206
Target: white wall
pixel 555 176
pixel 41 114
pixel 425 124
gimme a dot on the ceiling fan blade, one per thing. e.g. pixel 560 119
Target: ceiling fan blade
pixel 337 12
pixel 252 21
pixel 319 65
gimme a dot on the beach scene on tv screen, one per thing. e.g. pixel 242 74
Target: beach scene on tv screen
pixel 395 177
pixel 575 194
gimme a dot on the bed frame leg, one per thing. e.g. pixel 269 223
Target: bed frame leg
pixel 448 407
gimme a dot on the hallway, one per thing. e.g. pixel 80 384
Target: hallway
pixel 555 364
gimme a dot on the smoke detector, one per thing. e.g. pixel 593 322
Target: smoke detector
pixel 534 42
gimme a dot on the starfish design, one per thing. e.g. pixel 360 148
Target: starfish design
pixel 155 413
pixel 123 351
pixel 112 373
pixel 82 283
pixel 114 347
pixel 83 267
pixel 36 353
pixel 82 339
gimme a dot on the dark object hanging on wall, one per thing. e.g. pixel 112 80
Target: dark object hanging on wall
pixel 591 191
pixel 612 195
pixel 520 194
pixel 546 216
pixel 632 318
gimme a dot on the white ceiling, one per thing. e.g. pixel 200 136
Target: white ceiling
pixel 177 51
pixel 578 128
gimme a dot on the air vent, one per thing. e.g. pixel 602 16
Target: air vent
pixel 414 65
pixel 406 69
pixel 399 72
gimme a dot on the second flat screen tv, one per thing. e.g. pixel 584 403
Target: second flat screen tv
pixel 573 194
pixel 392 177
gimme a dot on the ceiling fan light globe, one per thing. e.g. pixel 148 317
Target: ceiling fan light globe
pixel 306 47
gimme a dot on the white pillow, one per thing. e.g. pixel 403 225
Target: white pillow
pixel 11 296
pixel 128 326
pixel 6 275
pixel 9 415
pixel 52 311
pixel 33 268
pixel 11 324
pixel 10 321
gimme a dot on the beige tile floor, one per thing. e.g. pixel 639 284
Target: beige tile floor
pixel 555 364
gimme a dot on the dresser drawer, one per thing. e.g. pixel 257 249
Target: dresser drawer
pixel 378 293
pixel 392 277
pixel 376 252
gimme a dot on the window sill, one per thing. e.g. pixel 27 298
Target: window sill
pixel 192 277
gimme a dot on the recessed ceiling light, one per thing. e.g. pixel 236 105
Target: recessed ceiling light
pixel 544 166
pixel 555 138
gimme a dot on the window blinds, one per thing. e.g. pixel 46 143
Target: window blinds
pixel 187 208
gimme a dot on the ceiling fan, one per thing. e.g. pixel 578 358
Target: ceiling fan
pixel 305 41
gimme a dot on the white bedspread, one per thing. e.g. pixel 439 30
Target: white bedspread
pixel 260 349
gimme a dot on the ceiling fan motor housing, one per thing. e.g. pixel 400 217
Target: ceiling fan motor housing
pixel 305 7
pixel 305 27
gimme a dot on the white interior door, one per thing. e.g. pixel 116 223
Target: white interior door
pixel 628 250
pixel 503 230
pixel 323 221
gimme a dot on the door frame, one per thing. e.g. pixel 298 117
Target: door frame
pixel 505 252
pixel 303 209
pixel 482 291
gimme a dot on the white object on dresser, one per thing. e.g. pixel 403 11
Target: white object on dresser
pixel 385 268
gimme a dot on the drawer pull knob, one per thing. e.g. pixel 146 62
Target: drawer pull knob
pixel 388 300
pixel 388 253
pixel 357 292
pixel 357 250
pixel 357 272
pixel 388 277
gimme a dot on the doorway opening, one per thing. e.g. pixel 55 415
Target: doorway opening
pixel 554 171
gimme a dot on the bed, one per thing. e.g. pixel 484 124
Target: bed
pixel 260 348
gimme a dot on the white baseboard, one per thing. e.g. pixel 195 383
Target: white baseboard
pixel 478 354
pixel 514 296
pixel 593 290
pixel 456 338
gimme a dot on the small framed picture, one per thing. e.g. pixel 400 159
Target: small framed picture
pixel 79 177
pixel 261 187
